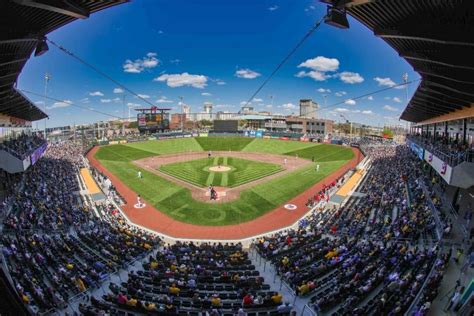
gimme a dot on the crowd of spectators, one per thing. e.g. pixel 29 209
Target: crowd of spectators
pixel 371 246
pixel 23 145
pixel 447 149
pixel 186 277
pixel 56 244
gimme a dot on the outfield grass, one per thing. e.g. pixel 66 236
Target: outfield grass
pixel 223 143
pixel 323 153
pixel 275 146
pixel 197 171
pixel 167 146
pixel 177 202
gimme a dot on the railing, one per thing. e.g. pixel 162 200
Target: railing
pixel 452 159
pixel 434 209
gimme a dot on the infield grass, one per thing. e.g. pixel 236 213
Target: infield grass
pixel 177 202
pixel 242 171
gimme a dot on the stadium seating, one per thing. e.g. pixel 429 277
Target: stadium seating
pixel 23 145
pixel 369 256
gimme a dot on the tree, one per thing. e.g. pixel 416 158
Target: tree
pixel 205 123
pixel 132 124
pixel 387 133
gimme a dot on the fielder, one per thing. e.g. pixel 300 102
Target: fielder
pixel 317 168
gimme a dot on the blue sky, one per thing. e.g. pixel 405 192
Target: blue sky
pixel 217 51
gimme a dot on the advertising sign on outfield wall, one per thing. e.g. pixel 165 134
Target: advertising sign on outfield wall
pixel 441 167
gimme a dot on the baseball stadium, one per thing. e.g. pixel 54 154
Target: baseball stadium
pixel 331 189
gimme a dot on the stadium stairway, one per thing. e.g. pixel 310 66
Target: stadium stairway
pixel 268 272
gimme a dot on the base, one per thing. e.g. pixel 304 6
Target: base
pixel 139 205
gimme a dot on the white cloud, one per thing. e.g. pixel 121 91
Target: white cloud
pixel 117 100
pixel 220 82
pixel 367 112
pixel 288 106
pixel 310 8
pixel 175 61
pixel 268 106
pixel 257 100
pixel 321 63
pixel 315 75
pixel 206 94
pixel 143 96
pixel 164 99
pixel 96 94
pixel 390 108
pixel 387 98
pixel 139 65
pixel 85 100
pixel 350 102
pixel 184 79
pixel 39 102
pixel 133 105
pixel 370 98
pixel 118 90
pixel 322 90
pixel 387 82
pixel 105 100
pixel 340 93
pixel 61 104
pixel 273 8
pixel 243 103
pixel 397 100
pixel 247 74
pixel 350 77
pixel 342 110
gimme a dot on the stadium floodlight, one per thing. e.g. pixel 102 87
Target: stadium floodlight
pixel 41 47
pixel 336 17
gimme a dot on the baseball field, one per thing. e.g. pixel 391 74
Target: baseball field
pixel 258 174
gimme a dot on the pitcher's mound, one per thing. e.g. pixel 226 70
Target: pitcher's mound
pixel 219 169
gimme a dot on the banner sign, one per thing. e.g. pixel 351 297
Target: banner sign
pixel 419 151
pixel 441 167
pixel 38 153
pixel 141 119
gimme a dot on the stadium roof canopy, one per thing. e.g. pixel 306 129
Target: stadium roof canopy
pixel 23 27
pixel 436 37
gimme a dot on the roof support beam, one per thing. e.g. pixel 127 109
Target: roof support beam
pixel 420 95
pixel 424 72
pixel 456 99
pixel 66 7
pixel 14 61
pixel 424 34
pixel 432 61
pixel 424 107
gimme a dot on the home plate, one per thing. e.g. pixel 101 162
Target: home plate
pixel 291 207
pixel 220 192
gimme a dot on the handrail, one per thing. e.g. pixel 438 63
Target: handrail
pixel 420 292
pixel 434 210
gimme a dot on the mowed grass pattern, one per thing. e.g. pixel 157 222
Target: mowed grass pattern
pixel 223 143
pixel 177 202
pixel 275 146
pixel 196 172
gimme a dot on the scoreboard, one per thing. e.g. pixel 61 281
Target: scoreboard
pixel 153 122
pixel 226 125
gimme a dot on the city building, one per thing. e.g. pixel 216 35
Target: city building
pixel 308 108
pixel 208 107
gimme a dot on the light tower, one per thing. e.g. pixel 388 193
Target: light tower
pixel 47 77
